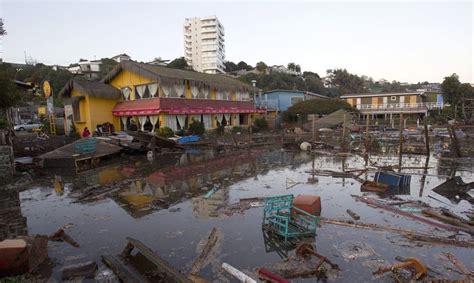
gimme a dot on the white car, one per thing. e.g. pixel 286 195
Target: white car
pixel 28 126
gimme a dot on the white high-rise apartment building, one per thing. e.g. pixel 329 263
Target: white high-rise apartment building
pixel 204 44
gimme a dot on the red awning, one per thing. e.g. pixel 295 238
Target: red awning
pixel 153 106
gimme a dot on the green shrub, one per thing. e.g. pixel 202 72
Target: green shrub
pixel 261 123
pixel 180 133
pixel 165 132
pixel 315 106
pixel 196 128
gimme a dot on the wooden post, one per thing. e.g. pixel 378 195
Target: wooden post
pixel 250 134
pixel 343 140
pixel 454 141
pixel 400 147
pixel 153 146
pixel 427 138
pixel 367 121
pixel 313 128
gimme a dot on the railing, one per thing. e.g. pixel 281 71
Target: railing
pixel 393 106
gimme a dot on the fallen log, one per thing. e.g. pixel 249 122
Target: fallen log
pixel 200 261
pixel 378 204
pixel 411 235
pixel 462 226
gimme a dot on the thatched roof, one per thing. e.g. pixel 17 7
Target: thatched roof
pixel 95 89
pixel 170 76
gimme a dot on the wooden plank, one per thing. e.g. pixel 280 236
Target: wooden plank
pixel 162 265
pixel 122 270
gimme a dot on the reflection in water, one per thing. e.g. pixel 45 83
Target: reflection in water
pixel 190 176
pixel 12 222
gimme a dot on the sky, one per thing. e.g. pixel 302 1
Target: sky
pixel 403 41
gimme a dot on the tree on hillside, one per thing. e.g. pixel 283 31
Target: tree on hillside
pixel 2 29
pixel 308 73
pixel 466 93
pixel 230 66
pixel 178 63
pixel 261 67
pixel 314 84
pixel 9 95
pixel 244 66
pixel 291 66
pixel 346 82
pixel 298 68
pixel 106 66
pixel 450 87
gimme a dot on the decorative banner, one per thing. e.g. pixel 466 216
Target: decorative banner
pixel 42 111
pixel 47 90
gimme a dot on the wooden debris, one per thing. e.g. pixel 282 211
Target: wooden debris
pixel 378 204
pixel 162 265
pixel 453 221
pixel 459 265
pixel 201 261
pixel 455 216
pixel 123 271
pixel 411 235
pixel 85 270
pixel 61 236
pixel 354 215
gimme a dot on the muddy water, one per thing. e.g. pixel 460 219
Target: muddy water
pixel 173 230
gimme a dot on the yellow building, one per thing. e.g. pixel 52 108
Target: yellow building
pixel 92 103
pixel 151 96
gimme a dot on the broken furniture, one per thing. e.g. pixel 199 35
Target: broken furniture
pixel 371 186
pixel 127 273
pixel 383 181
pixel 306 249
pixel 411 263
pixel 281 217
pixel 455 189
pixel 392 179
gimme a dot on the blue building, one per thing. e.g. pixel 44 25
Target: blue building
pixel 280 100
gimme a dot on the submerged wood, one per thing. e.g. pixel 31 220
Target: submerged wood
pixel 201 260
pixel 411 235
pixel 86 270
pixel 462 226
pixel 406 214
pixel 459 265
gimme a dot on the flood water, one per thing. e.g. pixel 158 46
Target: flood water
pixel 174 230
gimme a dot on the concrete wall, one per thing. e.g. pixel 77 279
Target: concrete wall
pixel 6 162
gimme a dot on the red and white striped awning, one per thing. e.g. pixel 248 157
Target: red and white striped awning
pixel 154 106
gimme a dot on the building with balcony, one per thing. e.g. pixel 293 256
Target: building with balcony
pixel 150 96
pixel 376 104
pixel 204 48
